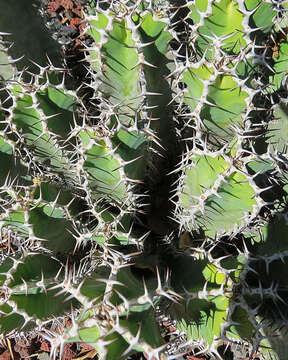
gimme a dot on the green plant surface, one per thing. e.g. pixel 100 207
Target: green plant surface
pixel 147 180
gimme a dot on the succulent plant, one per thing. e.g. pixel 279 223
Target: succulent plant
pixel 152 185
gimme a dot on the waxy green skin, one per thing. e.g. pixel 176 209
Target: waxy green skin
pixel 168 185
